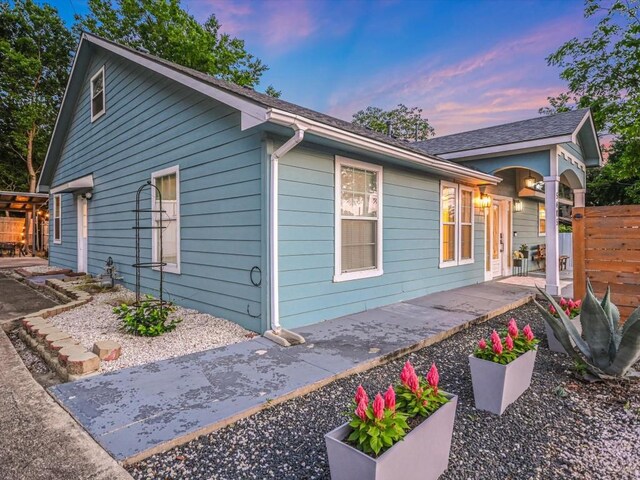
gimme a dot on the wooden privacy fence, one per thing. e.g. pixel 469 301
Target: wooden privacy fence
pixel 11 229
pixel 606 250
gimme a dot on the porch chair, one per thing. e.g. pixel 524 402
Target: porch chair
pixel 540 256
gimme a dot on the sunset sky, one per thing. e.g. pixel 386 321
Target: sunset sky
pixel 467 64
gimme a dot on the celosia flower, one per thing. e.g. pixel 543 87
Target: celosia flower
pixel 482 344
pixel 361 394
pixel 509 343
pixel 513 328
pixel 578 303
pixel 571 304
pixel 378 407
pixel 495 338
pixel 390 398
pixel 361 410
pixel 568 312
pixel 497 348
pixel 413 383
pixel 563 302
pixel 528 333
pixel 433 378
pixel 552 309
pixel 407 373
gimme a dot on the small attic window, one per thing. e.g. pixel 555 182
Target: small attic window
pixel 97 95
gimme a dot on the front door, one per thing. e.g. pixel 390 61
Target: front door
pixel 82 233
pixel 497 239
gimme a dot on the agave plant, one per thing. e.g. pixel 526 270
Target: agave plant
pixel 607 349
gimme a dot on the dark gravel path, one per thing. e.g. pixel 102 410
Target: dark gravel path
pixel 560 428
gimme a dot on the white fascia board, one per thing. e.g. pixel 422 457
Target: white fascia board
pixel 504 149
pixel 55 125
pixel 326 131
pixel 82 183
pixel 574 136
pixel 252 114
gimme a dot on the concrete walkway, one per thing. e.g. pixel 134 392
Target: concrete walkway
pixel 38 439
pixel 139 411
pixel 17 299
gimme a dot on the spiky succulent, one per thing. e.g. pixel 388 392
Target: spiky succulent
pixel 608 349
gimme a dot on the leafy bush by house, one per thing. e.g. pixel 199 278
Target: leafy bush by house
pixel 148 319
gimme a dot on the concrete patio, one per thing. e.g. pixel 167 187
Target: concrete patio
pixel 136 412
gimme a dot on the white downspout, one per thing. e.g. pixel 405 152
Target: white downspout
pixel 277 333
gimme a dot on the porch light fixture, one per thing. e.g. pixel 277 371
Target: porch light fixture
pixel 485 200
pixel 530 181
pixel 517 205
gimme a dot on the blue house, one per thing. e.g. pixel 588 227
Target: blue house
pixel 277 216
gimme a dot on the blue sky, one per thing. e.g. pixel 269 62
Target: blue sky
pixel 466 63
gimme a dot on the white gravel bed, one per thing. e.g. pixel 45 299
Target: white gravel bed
pixel 42 269
pixel 96 321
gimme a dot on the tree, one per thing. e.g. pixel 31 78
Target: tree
pixel 272 92
pixel 163 28
pixel 603 72
pixel 35 48
pixel 607 186
pixel 405 123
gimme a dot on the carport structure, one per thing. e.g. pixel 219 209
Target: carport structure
pixel 30 205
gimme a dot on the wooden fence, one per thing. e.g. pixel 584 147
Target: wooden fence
pixel 11 229
pixel 606 250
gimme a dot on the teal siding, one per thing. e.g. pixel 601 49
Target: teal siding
pixel 153 123
pixel 410 242
pixel 536 161
pixel 565 164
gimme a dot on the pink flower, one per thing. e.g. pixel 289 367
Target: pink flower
pixel 495 338
pixel 361 410
pixel 571 304
pixel 407 373
pixel 413 383
pixel 552 309
pixel 390 398
pixel 482 344
pixel 433 378
pixel 577 303
pixel 568 312
pixel 513 328
pixel 563 302
pixel 360 395
pixel 509 343
pixel 378 407
pixel 497 348
pixel 528 333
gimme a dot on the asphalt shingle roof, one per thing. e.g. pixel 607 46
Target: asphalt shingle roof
pixel 268 101
pixel 522 131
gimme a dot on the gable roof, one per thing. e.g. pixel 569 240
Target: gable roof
pixel 256 108
pixel 536 130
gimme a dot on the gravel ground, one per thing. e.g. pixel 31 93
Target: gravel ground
pixel 560 427
pixel 34 363
pixel 96 321
pixel 42 269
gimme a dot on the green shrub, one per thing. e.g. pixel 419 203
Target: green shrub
pixel 146 319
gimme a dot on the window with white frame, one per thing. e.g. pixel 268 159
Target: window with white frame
pixel 167 182
pixel 98 106
pixel 358 242
pixel 542 220
pixel 456 224
pixel 57 219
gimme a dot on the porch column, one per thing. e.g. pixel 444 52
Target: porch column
pixel 579 197
pixel 551 229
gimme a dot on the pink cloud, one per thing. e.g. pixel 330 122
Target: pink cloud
pixel 507 82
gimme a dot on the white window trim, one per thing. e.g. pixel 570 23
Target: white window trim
pixel 57 233
pixel 169 267
pixel 544 233
pixel 457 222
pixel 338 275
pixel 104 99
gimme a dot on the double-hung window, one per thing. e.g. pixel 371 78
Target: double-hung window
pixel 456 224
pixel 57 219
pixel 358 223
pixel 167 182
pixel 98 106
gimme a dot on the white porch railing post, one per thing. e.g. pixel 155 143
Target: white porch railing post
pixel 579 197
pixel 551 185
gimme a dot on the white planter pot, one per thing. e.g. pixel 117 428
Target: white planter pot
pixel 497 386
pixel 423 454
pixel 554 344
